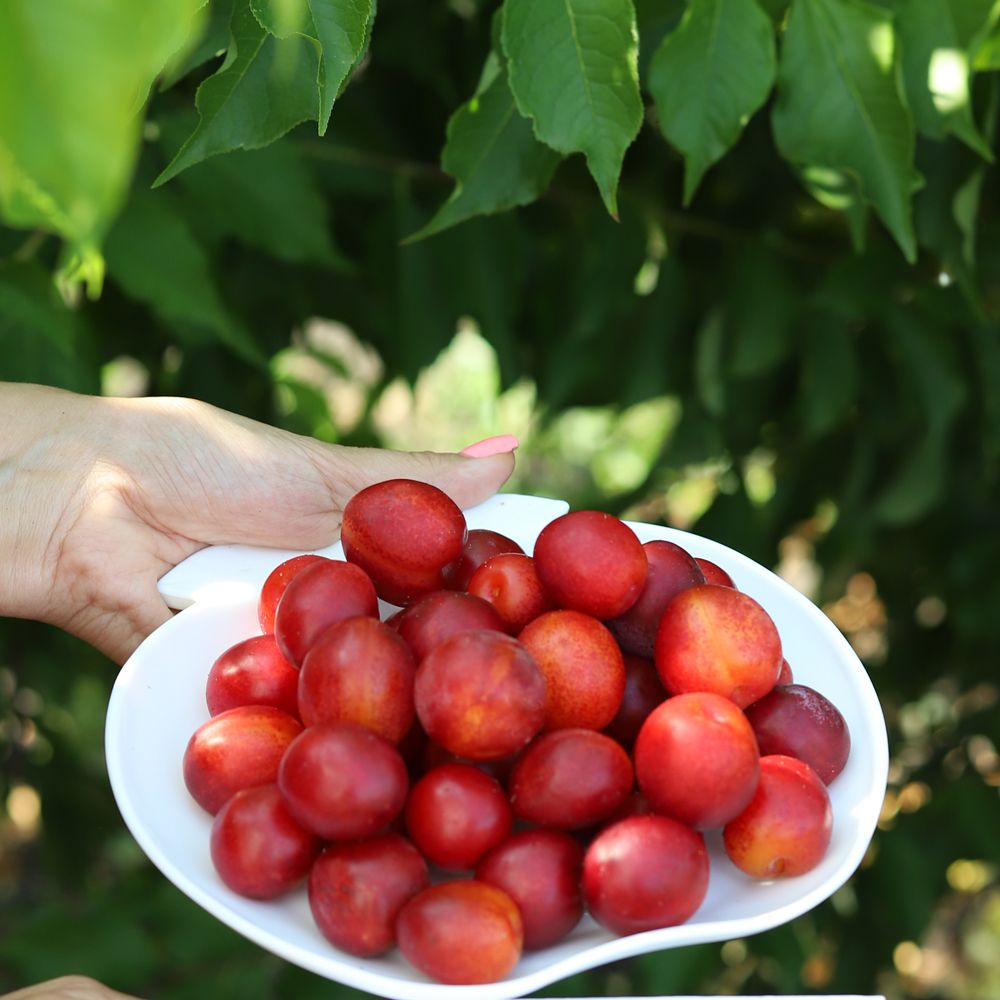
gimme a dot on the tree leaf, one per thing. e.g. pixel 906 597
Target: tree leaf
pixel 930 376
pixel 840 191
pixel 41 340
pixel 965 205
pixel 936 38
pixel 573 70
pixel 266 197
pixel 985 46
pixel 493 154
pixel 828 380
pixel 840 107
pixel 71 74
pixel 340 28
pixel 709 363
pixel 760 307
pixel 212 43
pixel 265 87
pixel 655 19
pixel 708 77
pixel 171 273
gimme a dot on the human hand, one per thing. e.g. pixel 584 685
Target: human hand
pixel 68 988
pixel 100 497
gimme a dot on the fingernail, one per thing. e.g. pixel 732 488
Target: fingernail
pixel 497 445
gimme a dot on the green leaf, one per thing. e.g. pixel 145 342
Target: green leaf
pixel 760 306
pixel 942 225
pixel 71 76
pixel 965 209
pixel 655 20
pixel 493 155
pixel 708 78
pixel 211 43
pixel 340 28
pixel 155 258
pixel 709 366
pixel 965 205
pixel 841 192
pixel 265 87
pixel 265 197
pixel 573 71
pixel 828 381
pixel 936 38
pixel 840 107
pixel 985 47
pixel 930 375
pixel 41 339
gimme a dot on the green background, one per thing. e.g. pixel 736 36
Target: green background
pixel 731 265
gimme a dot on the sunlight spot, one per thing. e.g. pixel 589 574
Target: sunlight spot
pixel 907 956
pixel 882 45
pixel 930 612
pixel 733 952
pixel 948 79
pixel 24 807
pixel 966 875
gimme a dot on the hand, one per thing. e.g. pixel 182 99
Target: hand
pixel 100 497
pixel 68 988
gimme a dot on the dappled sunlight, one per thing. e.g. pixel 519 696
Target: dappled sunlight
pixel 948 79
pixel 326 364
pixel 833 188
pixel 456 400
pixel 882 45
pixel 860 614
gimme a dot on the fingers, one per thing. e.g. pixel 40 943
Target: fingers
pixel 467 479
pixel 214 477
pixel 68 988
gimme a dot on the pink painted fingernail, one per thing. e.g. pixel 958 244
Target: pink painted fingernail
pixel 497 445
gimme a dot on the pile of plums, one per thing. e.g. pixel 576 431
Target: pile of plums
pixel 529 737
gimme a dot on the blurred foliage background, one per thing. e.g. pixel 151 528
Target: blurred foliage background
pixel 731 265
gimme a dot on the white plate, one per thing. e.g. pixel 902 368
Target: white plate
pixel 159 700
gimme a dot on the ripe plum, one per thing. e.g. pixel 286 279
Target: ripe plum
pixel 238 748
pixel 671 570
pixel 253 672
pixel 480 695
pixel 455 813
pixel 316 598
pixel 461 932
pixel 342 781
pixel 645 872
pixel 357 888
pixel 540 870
pixel 798 721
pixel 786 828
pixel 696 759
pixel 570 779
pixel 510 583
pixel 582 665
pixel 404 534
pixel 257 847
pixel 441 613
pixel 480 544
pixel 591 562
pixel 359 670
pixel 714 638
pixel 275 584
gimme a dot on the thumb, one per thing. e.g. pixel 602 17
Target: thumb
pixel 470 476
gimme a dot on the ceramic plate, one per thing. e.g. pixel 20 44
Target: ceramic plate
pixel 159 700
